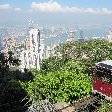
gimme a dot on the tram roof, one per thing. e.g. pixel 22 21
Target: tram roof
pixel 105 64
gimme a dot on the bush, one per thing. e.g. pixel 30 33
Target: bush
pixel 64 85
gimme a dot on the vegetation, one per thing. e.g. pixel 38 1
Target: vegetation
pixel 63 85
pixel 106 106
pixel 64 77
pixel 11 92
pixel 87 53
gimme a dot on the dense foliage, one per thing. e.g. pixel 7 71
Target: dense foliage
pixel 106 106
pixel 52 64
pixel 64 85
pixel 11 92
pixel 87 53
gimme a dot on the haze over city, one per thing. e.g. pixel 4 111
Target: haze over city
pixel 65 12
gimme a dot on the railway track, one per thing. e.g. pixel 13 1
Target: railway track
pixel 89 104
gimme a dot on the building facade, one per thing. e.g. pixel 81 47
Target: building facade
pixel 32 57
pixel 109 36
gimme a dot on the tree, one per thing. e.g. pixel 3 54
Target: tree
pixel 11 92
pixel 63 85
pixel 52 64
pixel 88 53
pixel 6 61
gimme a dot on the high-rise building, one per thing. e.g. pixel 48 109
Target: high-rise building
pixel 109 36
pixel 27 44
pixel 30 24
pixel 81 34
pixel 71 36
pixel 1 48
pixel 81 39
pixel 3 33
pixel 31 58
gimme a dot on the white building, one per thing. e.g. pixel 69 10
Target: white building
pixel 95 37
pixel 109 36
pixel 50 51
pixel 32 58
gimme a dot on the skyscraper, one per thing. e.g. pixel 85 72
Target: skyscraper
pixel 81 39
pixel 31 58
pixel 1 46
pixel 109 36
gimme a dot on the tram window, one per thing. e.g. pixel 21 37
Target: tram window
pixel 103 75
pixel 111 78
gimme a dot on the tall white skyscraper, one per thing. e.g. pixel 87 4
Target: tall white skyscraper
pixel 109 37
pixel 31 58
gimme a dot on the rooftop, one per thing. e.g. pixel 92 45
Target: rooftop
pixel 105 64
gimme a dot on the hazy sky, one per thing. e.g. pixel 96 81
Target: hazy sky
pixel 56 11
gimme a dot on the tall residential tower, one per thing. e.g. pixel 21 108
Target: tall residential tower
pixel 31 58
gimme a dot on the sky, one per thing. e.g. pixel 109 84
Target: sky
pixel 56 11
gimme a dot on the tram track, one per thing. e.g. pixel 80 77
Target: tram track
pixel 89 104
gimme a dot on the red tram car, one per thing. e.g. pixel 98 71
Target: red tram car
pixel 102 79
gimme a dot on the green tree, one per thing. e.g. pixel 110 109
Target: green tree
pixel 11 92
pixel 64 85
pixel 52 64
pixel 88 53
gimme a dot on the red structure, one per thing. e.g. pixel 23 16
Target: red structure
pixel 102 79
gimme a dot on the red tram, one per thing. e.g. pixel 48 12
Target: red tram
pixel 102 79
